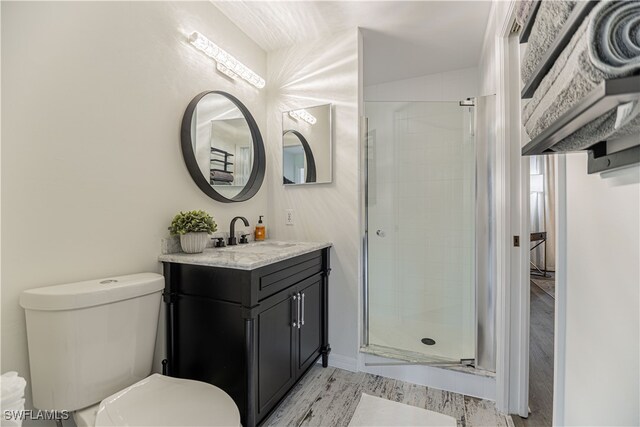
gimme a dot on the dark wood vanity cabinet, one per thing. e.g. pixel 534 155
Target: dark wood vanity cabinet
pixel 253 333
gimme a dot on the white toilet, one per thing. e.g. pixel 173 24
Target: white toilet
pixel 91 350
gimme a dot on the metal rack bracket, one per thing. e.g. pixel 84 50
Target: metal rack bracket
pixel 528 25
pixel 600 161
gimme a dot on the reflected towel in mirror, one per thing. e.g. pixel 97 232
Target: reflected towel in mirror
pixel 221 176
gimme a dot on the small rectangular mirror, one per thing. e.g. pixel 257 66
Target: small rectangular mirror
pixel 306 145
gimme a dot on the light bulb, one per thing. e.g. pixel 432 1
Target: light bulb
pixel 225 62
pixel 303 115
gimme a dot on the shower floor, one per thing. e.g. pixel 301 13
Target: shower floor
pixel 405 335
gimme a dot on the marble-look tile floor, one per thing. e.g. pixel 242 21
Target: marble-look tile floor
pixel 329 396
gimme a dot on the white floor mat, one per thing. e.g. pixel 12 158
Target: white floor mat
pixel 375 411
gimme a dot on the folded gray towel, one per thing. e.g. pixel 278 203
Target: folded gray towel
pixel 607 45
pixel 221 176
pixel 550 19
pixel 523 10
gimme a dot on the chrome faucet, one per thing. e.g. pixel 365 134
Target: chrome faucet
pixel 232 229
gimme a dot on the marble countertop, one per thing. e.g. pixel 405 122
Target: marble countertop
pixel 247 256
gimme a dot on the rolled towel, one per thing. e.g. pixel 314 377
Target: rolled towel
pixel 614 36
pixel 605 46
pixel 550 19
pixel 221 176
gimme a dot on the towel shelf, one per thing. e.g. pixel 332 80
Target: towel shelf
pixel 577 16
pixel 607 96
pixel 221 161
pixel 220 170
pixel 225 163
pixel 528 25
pixel 217 150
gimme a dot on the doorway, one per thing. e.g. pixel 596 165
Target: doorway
pixel 542 222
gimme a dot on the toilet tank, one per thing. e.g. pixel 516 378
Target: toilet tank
pixel 88 340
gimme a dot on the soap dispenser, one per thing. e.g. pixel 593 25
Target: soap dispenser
pixel 261 230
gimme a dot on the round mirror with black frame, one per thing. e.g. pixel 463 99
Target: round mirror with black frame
pixel 297 150
pixel 222 147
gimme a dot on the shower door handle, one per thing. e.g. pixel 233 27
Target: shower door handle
pixel 380 233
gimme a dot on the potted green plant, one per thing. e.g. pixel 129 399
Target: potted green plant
pixel 194 228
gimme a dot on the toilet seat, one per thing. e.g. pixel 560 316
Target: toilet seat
pixel 159 400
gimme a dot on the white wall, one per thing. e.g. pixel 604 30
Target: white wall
pixel 320 72
pixel 602 296
pixel 93 96
pixel 487 79
pixel 454 85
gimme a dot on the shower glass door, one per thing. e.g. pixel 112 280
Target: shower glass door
pixel 420 187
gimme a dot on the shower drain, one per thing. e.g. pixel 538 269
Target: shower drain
pixel 428 341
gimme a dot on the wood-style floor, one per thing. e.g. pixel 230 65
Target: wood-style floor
pixel 329 396
pixel 540 360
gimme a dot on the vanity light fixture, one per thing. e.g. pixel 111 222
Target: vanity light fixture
pixel 225 62
pixel 303 115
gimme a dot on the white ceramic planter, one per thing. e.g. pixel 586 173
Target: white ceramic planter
pixel 194 243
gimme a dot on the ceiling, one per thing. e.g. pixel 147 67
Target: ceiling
pixel 402 39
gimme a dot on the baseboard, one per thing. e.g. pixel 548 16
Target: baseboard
pixel 342 362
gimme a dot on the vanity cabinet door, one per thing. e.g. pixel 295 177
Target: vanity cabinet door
pixel 310 332
pixel 208 344
pixel 276 336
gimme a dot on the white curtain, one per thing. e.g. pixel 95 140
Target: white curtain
pixel 542 209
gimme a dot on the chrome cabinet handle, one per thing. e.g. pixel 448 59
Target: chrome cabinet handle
pixel 380 233
pixel 302 304
pixel 294 298
pixel 299 303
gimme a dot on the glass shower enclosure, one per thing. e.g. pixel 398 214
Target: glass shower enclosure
pixel 420 237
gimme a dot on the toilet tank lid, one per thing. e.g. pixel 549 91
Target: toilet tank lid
pixel 91 292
